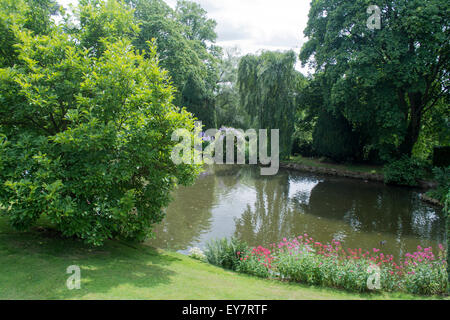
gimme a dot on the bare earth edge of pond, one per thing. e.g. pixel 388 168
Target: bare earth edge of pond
pixel 426 185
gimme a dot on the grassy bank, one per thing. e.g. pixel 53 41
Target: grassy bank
pixel 316 163
pixel 33 266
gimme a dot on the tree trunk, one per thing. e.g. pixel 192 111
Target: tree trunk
pixel 413 131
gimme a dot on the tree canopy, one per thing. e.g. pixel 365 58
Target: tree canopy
pixel 85 132
pixel 267 88
pixel 185 42
pixel 386 82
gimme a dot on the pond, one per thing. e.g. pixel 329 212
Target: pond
pixel 237 201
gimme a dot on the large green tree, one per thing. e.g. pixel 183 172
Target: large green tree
pixel 96 22
pixel 85 132
pixel 198 100
pixel 383 81
pixel 228 108
pixel 267 89
pixel 185 40
pixel 34 15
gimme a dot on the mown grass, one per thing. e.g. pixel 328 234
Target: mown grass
pixel 33 266
pixel 315 162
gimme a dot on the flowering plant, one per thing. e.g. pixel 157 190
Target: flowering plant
pixel 197 254
pixel 304 260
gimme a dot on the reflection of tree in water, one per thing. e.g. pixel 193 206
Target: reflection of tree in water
pixel 290 204
pixel 373 207
pixel 271 217
pixel 188 216
pixel 228 176
pixel 313 205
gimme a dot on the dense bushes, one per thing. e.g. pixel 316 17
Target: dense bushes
pixel 306 261
pixel 441 157
pixel 303 148
pixel 442 177
pixel 333 138
pixel 85 136
pixel 404 171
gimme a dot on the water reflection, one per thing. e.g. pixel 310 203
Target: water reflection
pixel 236 201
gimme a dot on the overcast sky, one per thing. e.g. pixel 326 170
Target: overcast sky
pixel 253 25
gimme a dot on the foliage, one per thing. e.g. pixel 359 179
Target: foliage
pixel 309 105
pixel 441 156
pixel 303 147
pixel 185 40
pixel 304 260
pixel 257 262
pixel 198 25
pixel 435 135
pixel 86 134
pixel 95 23
pixel 425 279
pixel 405 171
pixel 197 254
pixel 267 89
pixel 333 137
pixel 442 177
pixel 241 144
pixel 386 81
pixel 29 14
pixel 228 109
pixel 224 252
pixel 197 100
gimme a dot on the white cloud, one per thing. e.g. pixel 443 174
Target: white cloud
pixel 261 21
pixel 255 25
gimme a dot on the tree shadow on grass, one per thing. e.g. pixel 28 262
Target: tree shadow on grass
pixel 33 266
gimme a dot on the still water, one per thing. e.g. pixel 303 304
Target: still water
pixel 236 201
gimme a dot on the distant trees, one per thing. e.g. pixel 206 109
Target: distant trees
pixel 267 89
pixel 228 108
pixel 386 83
pixel 85 124
pixel 185 42
pixel 199 100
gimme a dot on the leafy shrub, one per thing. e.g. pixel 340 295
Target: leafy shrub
pixel 442 177
pixel 441 156
pixel 224 252
pixel 334 138
pixel 86 138
pixel 425 280
pixel 404 171
pixel 303 148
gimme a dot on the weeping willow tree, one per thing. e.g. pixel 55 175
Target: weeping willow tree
pixel 267 92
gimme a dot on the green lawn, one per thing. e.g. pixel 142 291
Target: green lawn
pixel 312 162
pixel 33 266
